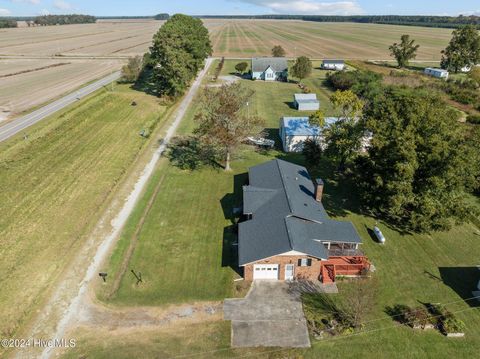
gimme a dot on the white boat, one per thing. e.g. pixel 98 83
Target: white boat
pixel 379 235
pixel 260 141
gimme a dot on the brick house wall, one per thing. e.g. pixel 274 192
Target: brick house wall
pixel 309 273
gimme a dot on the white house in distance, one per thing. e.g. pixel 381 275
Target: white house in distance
pixel 306 102
pixel 270 68
pixel 439 73
pixel 294 131
pixel 337 65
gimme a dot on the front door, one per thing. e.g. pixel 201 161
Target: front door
pixel 289 272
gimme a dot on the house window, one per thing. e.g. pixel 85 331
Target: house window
pixel 304 262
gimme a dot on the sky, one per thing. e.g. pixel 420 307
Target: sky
pixel 239 7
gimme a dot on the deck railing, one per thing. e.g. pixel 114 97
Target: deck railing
pixel 339 252
pixel 349 269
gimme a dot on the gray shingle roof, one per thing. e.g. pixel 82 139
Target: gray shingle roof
pixel 278 64
pixel 285 215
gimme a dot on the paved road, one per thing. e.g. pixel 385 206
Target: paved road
pixel 21 123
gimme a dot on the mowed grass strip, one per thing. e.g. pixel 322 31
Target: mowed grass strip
pixel 54 186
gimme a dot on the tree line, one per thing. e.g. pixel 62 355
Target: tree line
pixel 4 23
pixel 47 20
pixel 409 20
pixel 163 16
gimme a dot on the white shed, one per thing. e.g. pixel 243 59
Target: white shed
pixel 336 65
pixel 306 101
pixel 439 73
pixel 294 131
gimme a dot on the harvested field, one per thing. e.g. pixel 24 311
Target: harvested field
pixel 36 81
pixel 104 38
pixel 244 38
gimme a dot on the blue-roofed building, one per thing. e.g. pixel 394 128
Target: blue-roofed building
pixel 294 131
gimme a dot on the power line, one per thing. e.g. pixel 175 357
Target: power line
pixel 329 339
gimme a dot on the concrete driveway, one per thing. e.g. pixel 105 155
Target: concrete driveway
pixel 270 315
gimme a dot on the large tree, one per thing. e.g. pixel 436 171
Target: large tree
pixel 343 138
pixel 302 68
pixel 404 51
pixel 418 166
pixel 278 51
pixel 463 49
pixel 178 51
pixel 223 119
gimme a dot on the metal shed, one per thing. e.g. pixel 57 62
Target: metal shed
pixel 306 101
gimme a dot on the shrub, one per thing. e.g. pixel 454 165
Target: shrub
pixel 452 325
pixel 341 80
pixel 218 69
pixel 465 96
pixel 446 320
pixel 241 67
pixel 131 71
pixel 473 119
pixel 417 317
pixel 366 84
pixel 464 92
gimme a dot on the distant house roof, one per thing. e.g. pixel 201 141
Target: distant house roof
pixel 305 98
pixel 285 215
pixel 333 61
pixel 300 126
pixel 278 64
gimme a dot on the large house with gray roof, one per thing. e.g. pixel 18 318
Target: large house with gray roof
pixel 270 68
pixel 287 233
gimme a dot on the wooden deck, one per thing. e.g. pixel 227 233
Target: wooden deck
pixel 343 266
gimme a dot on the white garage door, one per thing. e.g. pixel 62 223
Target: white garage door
pixel 265 271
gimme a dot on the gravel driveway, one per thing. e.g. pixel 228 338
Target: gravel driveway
pixel 270 315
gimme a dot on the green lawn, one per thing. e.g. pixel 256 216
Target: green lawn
pixel 184 255
pixel 190 215
pixel 54 186
pixel 275 99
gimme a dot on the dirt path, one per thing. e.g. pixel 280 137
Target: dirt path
pixel 71 295
pixel 97 316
